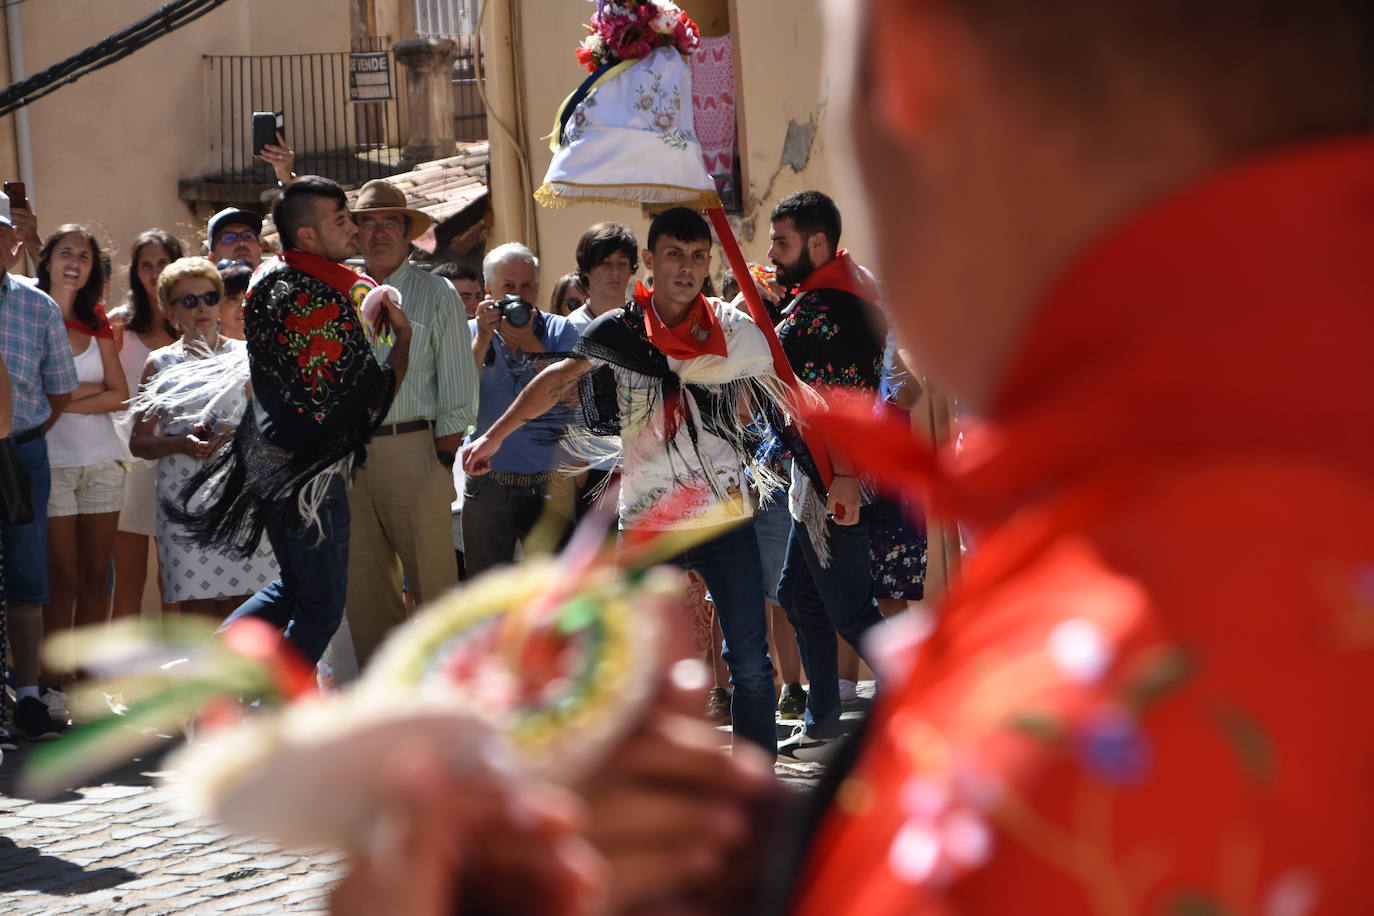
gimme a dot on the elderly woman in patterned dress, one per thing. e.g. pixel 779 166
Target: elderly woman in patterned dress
pixel 192 394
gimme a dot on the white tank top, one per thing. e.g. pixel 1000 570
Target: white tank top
pixel 133 353
pixel 77 440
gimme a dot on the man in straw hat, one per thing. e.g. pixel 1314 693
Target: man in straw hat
pixel 400 499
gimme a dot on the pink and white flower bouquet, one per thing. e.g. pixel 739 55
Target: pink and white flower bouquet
pixel 631 29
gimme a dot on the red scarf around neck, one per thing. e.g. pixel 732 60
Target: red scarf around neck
pixel 844 274
pixel 332 273
pixel 695 335
pixel 102 327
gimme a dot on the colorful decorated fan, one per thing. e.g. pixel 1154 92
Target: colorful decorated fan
pixel 543 665
pixel 513 666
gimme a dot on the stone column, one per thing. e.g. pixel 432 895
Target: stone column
pixel 429 96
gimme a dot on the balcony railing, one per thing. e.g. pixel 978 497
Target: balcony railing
pixel 342 114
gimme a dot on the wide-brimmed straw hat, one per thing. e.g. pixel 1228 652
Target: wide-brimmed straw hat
pixel 377 196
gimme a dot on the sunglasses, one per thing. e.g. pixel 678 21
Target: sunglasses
pixel 230 262
pixel 229 238
pixel 573 305
pixel 191 300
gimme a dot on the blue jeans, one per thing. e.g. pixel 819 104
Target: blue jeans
pixel 821 601
pixel 26 546
pixel 307 602
pixel 730 565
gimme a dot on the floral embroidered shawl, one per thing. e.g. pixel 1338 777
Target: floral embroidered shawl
pixel 318 394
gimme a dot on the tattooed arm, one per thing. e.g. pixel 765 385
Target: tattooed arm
pixel 545 390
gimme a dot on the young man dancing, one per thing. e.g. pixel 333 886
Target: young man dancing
pixel 690 372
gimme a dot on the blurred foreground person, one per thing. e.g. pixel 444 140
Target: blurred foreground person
pixel 1135 238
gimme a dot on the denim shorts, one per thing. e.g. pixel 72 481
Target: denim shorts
pixel 26 546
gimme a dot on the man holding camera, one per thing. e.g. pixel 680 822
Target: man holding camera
pixel 512 341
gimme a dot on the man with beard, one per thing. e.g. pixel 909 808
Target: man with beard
pixel 1135 239
pixel 317 396
pixel 833 338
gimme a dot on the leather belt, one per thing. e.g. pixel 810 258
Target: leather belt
pixel 408 426
pixel 519 480
pixel 28 435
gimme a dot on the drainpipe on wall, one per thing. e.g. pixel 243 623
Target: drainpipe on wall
pixel 511 191
pixel 14 29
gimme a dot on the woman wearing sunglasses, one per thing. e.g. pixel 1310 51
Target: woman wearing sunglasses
pixel 192 395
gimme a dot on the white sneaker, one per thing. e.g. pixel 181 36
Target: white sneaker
pixel 807 749
pixel 56 701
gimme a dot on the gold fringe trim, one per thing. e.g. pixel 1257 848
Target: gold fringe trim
pixel 561 194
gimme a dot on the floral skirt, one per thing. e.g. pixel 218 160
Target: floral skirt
pixel 898 549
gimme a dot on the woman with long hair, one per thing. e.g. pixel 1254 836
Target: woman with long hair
pixel 193 393
pixel 84 450
pixel 140 328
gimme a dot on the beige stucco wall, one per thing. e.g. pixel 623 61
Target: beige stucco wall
pixel 779 74
pixel 109 149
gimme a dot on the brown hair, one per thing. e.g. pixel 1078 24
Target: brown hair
pixel 141 312
pixel 88 296
pixel 1247 74
pixel 560 292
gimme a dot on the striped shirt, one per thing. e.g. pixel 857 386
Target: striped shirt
pixel 37 354
pixel 441 381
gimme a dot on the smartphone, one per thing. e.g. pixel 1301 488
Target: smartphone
pixel 266 126
pixel 14 190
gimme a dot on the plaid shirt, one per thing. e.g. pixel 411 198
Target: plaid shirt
pixel 37 354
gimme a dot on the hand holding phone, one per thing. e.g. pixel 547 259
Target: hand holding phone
pixel 19 199
pixel 266 126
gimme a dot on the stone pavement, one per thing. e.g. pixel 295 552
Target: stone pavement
pixel 122 848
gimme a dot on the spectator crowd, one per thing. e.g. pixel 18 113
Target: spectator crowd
pixel 273 423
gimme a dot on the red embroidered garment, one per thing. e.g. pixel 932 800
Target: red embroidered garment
pixel 698 334
pixel 1151 691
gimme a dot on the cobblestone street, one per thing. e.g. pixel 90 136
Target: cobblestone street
pixel 121 847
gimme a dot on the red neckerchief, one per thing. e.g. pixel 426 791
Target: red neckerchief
pixel 696 335
pixel 331 273
pixel 102 325
pixel 843 274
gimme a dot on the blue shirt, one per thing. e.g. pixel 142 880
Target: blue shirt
pixel 532 449
pixel 37 354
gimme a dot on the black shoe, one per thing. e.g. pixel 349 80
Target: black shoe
pixel 33 721
pixel 792 703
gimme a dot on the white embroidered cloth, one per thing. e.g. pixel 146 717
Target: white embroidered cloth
pixel 631 140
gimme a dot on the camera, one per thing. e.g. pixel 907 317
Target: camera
pixel 516 311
